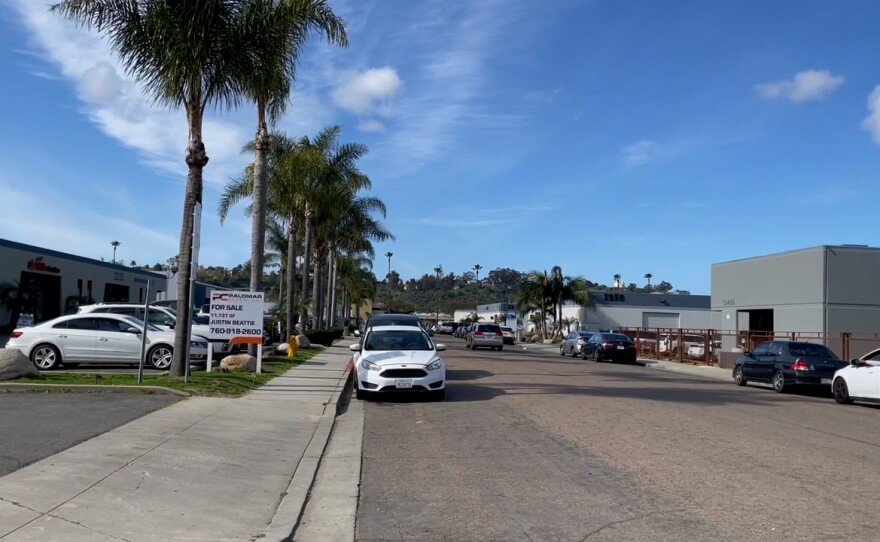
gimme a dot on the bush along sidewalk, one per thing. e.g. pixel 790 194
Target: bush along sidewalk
pixel 214 384
pixel 324 337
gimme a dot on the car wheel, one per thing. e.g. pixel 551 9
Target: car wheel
pixel 438 395
pixel 739 377
pixel 595 355
pixel 778 382
pixel 561 351
pixel 160 357
pixel 583 354
pixel 841 391
pixel 500 348
pixel 361 395
pixel 45 357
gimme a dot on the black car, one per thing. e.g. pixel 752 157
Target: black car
pixel 612 346
pixel 787 363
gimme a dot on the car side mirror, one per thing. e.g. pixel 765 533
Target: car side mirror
pixel 134 330
pixel 355 348
pixel 171 325
pixel 440 347
pixel 854 362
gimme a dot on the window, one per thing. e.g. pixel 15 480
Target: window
pixel 489 328
pixel 761 350
pixel 809 350
pixel 160 318
pixel 125 311
pixel 107 324
pixel 775 349
pixel 60 325
pixel 398 340
pixel 615 337
pixel 83 323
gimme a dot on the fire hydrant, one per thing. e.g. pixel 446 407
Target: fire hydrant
pixel 292 347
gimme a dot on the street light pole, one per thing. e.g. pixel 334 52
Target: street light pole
pixel 389 255
pixel 439 270
pixel 477 268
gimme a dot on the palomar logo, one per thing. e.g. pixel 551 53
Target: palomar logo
pixel 38 264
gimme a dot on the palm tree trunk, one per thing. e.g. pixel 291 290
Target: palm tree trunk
pixel 196 160
pixel 291 276
pixel 316 291
pixel 333 288
pixel 258 215
pixel 307 252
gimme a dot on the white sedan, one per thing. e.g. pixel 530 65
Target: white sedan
pixel 98 338
pixel 399 358
pixel 860 381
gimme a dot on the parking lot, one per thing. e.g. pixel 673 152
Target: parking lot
pixel 532 446
pixel 37 425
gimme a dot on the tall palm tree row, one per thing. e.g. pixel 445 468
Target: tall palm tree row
pixel 548 293
pixel 209 53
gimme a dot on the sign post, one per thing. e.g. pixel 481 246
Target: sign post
pixel 238 318
pixel 144 335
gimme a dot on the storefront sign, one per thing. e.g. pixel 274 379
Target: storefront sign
pixel 38 264
pixel 25 320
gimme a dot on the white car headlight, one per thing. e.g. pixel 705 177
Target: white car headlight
pixel 370 366
pixel 435 365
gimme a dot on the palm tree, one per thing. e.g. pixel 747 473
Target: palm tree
pixel 278 29
pixel 115 245
pixel 617 280
pixel 562 289
pixel 534 292
pixel 188 55
pixel 648 277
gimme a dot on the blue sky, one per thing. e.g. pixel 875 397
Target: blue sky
pixel 628 136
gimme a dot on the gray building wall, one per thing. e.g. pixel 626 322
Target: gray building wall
pixel 59 282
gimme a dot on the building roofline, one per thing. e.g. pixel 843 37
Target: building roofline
pixel 82 259
pixel 864 248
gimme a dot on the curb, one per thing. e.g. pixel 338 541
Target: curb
pixel 15 387
pixel 713 375
pixel 290 509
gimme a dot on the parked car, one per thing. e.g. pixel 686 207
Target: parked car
pixel 612 346
pixel 860 381
pixel 446 328
pixel 698 351
pixel 460 331
pixel 508 335
pixel 787 363
pixel 399 358
pixel 669 343
pixel 488 335
pixel 163 317
pixel 98 338
pixel 573 342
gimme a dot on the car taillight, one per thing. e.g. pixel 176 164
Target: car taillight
pixel 478 334
pixel 799 365
pixel 499 334
pixel 16 334
pixel 608 345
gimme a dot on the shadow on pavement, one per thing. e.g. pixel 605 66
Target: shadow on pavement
pixel 455 393
pixel 467 374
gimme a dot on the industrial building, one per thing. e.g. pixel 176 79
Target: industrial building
pixel 38 284
pixel 825 290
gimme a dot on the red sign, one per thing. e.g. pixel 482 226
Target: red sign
pixel 38 264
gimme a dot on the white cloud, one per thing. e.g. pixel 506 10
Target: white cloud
pixel 367 91
pixel 114 102
pixel 809 85
pixel 872 121
pixel 371 125
pixel 646 152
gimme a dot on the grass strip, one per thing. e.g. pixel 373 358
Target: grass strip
pixel 213 384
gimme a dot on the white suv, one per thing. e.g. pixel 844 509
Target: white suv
pixel 163 317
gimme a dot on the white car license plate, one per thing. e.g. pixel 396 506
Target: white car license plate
pixel 826 381
pixel 620 348
pixel 403 383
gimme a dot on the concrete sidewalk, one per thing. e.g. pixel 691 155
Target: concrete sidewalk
pixel 715 373
pixel 202 469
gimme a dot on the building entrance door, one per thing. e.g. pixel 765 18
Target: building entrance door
pixel 39 295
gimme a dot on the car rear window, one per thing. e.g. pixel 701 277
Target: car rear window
pixel 506 329
pixel 615 337
pixel 809 350
pixel 489 327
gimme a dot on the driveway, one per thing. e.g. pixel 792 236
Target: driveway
pixel 37 425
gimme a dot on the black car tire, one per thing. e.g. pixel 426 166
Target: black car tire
pixel 361 395
pixel 561 351
pixel 500 348
pixel 583 354
pixel 738 377
pixel 438 395
pixel 596 355
pixel 778 382
pixel 156 363
pixel 841 391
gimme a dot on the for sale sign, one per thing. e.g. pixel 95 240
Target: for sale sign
pixel 236 314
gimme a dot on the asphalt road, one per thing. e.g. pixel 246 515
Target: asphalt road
pixel 37 425
pixel 533 446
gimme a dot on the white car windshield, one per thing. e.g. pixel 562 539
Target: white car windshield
pixel 403 339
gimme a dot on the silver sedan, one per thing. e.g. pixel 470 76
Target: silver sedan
pixel 573 343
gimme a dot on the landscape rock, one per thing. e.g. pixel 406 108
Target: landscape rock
pixel 239 362
pixel 14 364
pixel 281 349
pixel 303 341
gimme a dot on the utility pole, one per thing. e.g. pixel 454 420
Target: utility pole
pixel 477 268
pixel 439 271
pixel 389 255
